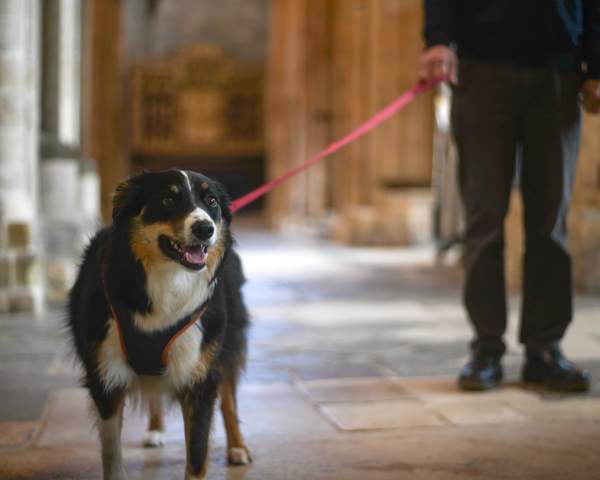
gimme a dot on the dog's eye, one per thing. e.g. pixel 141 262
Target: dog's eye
pixel 168 201
pixel 211 201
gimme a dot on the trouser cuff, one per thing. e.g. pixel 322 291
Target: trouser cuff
pixel 493 347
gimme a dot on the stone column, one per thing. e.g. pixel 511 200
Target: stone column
pixel 104 112
pixel 64 176
pixel 61 70
pixel 20 285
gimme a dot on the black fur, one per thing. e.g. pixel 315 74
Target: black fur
pixel 111 268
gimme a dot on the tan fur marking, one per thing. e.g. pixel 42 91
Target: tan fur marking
pixel 204 186
pixel 207 356
pixel 216 252
pixel 155 410
pixel 230 418
pixel 144 242
pixel 181 371
pixel 178 226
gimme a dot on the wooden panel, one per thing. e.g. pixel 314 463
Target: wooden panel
pixel 376 49
pixel 327 74
pixel 318 114
pixel 296 61
pixel 349 77
pixel 104 113
pixel 587 185
pixel 298 98
pixel 198 102
pixel 585 212
pixel 403 145
pixel 279 105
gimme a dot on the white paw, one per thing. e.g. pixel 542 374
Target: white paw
pixel 239 456
pixel 154 438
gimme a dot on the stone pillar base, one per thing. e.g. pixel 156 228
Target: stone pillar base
pixel 404 217
pixel 21 282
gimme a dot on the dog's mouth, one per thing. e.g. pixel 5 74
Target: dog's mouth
pixel 192 256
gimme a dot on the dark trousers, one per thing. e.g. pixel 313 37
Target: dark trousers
pixel 499 113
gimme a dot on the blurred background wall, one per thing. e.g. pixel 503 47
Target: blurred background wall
pixel 332 64
pixel 194 79
pixel 20 248
pixel 158 29
pixel 94 90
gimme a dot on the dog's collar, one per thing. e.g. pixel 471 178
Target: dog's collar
pixel 147 353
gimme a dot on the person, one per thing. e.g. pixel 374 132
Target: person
pixel 517 69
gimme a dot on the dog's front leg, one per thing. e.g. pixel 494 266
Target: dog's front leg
pixel 197 406
pixel 110 408
pixel 237 452
pixel 155 436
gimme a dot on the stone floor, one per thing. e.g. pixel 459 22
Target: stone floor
pixel 353 354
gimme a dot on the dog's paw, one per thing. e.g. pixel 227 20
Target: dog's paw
pixel 239 456
pixel 154 438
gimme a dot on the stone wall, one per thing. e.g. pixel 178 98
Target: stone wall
pixel 20 279
pixel 161 28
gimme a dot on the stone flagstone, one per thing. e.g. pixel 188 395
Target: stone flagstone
pixel 380 415
pixel 352 389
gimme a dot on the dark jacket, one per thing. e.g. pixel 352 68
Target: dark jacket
pixel 560 34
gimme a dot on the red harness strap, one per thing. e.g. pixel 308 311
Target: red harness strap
pixel 195 318
pixel 148 353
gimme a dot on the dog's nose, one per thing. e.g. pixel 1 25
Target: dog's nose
pixel 203 230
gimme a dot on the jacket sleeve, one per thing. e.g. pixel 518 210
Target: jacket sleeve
pixel 591 37
pixel 439 28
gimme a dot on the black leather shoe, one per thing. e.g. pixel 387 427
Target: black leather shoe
pixel 551 369
pixel 483 372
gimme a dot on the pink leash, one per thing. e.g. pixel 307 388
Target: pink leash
pixel 398 104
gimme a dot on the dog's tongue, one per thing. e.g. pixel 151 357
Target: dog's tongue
pixel 194 255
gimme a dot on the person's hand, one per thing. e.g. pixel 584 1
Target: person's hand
pixel 438 62
pixel 591 96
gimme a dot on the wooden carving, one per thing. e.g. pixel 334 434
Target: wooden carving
pixel 200 102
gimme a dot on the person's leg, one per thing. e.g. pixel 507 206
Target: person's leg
pixel 485 127
pixel 551 133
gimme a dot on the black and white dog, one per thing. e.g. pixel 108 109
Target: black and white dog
pixel 157 311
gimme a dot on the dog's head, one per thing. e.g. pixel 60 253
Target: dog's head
pixel 173 216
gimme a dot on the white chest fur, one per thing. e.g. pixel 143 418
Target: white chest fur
pixel 174 293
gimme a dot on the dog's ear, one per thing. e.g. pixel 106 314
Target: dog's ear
pixel 127 199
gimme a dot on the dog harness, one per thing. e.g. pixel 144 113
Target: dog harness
pixel 148 352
